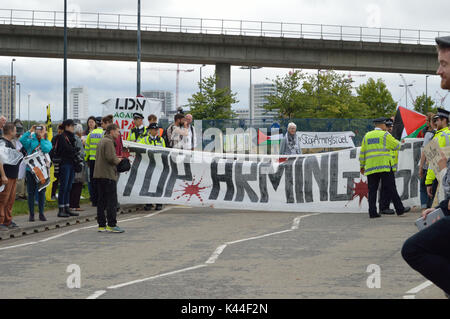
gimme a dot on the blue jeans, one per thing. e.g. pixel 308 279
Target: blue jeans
pixel 32 190
pixel 66 177
pixel 428 251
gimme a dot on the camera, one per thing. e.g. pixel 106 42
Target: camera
pixel 39 128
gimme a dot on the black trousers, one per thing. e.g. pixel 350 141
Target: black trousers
pixel 75 195
pixel 94 194
pixel 428 251
pixel 107 200
pixel 388 183
pixel 385 195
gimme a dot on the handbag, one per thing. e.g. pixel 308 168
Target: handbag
pixel 124 165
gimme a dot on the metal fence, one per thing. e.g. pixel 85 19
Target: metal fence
pixel 219 26
pixel 358 126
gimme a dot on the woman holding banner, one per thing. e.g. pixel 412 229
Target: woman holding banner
pixel 290 145
pixel 34 139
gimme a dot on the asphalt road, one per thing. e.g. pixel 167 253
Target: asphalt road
pixel 211 253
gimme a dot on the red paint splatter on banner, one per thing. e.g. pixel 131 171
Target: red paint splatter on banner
pixel 191 190
pixel 361 189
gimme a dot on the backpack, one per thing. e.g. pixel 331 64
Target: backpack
pixel 165 137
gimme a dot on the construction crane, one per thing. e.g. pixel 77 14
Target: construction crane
pixel 178 70
pixel 407 86
pixel 442 97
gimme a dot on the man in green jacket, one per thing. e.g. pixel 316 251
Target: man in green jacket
pixel 105 175
pixel 376 163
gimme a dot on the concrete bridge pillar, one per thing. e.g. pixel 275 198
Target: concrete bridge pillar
pixel 223 74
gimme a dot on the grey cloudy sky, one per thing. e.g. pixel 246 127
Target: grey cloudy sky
pixel 42 78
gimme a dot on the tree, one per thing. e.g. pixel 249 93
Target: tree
pixel 377 97
pixel 326 95
pixel 211 103
pixel 424 104
pixel 287 100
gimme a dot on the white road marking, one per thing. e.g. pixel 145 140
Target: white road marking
pixel 216 254
pixel 96 294
pixel 157 276
pixel 296 223
pixel 58 236
pixel 129 220
pixel 21 245
pixel 420 287
pixel 258 237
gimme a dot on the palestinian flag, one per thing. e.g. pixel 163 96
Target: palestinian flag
pixel 408 124
pixel 265 139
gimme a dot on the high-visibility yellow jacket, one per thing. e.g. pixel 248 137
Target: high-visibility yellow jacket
pixel 376 152
pixel 91 143
pixel 443 137
pixel 155 141
pixel 136 135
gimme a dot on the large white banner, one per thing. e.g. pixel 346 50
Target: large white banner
pixel 326 182
pixel 123 109
pixel 326 139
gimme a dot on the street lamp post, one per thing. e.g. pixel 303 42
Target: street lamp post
pixel 65 63
pixel 19 98
pixel 29 96
pixel 406 92
pixel 251 106
pixel 201 77
pixel 12 91
pixel 138 75
pixel 426 94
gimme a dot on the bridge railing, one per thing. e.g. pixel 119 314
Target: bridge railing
pixel 219 26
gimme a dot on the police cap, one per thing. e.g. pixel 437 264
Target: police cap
pixel 138 116
pixel 443 42
pixel 442 113
pixel 153 126
pixel 380 120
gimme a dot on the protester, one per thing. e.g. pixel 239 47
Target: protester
pixel 90 152
pixel 428 251
pixel 191 138
pixel 152 118
pixel 21 192
pixel 429 132
pixel 105 174
pixel 153 139
pixel 9 180
pixel 33 140
pixel 178 132
pixel 67 151
pixel 56 165
pixel 80 178
pixel 2 123
pixel 290 144
pixel 139 130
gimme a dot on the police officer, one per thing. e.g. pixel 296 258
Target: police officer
pixel 154 139
pixel 385 197
pixel 139 130
pixel 443 137
pixel 92 141
pixel 376 163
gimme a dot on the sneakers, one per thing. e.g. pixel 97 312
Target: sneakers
pixel 12 225
pixel 115 229
pixel 102 229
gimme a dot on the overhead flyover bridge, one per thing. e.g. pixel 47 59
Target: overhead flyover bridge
pixel 104 36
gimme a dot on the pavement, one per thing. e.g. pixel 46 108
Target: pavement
pixel 26 227
pixel 205 253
